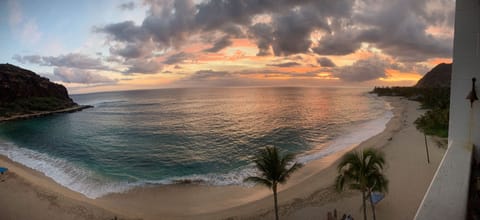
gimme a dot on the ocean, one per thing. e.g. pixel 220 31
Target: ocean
pixel 205 136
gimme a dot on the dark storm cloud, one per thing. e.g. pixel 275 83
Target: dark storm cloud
pixel 170 23
pixel 217 13
pixel 220 44
pixel 73 75
pixel 362 70
pixel 233 30
pixel 340 42
pixel 263 34
pixel 292 33
pixel 73 60
pixel 292 29
pixel 177 58
pixel 397 27
pixel 287 64
pixel 325 62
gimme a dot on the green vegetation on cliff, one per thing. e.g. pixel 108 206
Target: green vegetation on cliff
pixel 432 95
pixel 436 100
pixel 24 92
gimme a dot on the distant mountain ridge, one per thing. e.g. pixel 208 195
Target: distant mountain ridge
pixel 24 92
pixel 440 76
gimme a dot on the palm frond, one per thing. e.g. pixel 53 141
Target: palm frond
pixel 286 174
pixel 362 171
pixel 259 180
pixel 273 166
pixel 340 183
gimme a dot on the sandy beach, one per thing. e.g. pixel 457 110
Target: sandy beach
pixel 27 194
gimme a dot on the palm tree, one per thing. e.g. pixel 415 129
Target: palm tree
pixel 273 169
pixel 363 172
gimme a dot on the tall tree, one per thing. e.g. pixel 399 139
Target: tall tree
pixel 362 171
pixel 274 168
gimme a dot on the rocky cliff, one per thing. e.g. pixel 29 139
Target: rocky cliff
pixel 439 76
pixel 23 92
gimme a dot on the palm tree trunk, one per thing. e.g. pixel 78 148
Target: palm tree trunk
pixel 364 206
pixel 372 205
pixel 274 188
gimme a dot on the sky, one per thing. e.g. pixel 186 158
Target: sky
pixel 108 45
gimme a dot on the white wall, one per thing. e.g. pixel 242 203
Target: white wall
pixel 448 193
pixel 466 64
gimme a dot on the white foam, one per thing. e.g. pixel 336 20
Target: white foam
pixel 63 172
pixel 355 135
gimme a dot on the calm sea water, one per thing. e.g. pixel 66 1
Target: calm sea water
pixel 135 138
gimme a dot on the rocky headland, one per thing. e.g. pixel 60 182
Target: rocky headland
pixel 24 94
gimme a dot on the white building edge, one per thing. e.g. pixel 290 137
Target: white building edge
pixel 447 196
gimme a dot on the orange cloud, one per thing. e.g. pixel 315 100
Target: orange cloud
pixel 395 76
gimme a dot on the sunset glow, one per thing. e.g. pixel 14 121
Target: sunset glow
pixel 115 45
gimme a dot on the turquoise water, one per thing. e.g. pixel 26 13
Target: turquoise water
pixel 135 138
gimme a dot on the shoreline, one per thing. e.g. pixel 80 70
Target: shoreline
pixel 45 113
pixel 188 201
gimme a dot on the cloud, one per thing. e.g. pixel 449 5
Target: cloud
pixel 405 31
pixel 73 75
pixel 72 60
pixel 292 31
pixel 129 51
pixel 143 66
pixel 263 35
pixel 125 31
pixel 287 64
pixel 170 23
pixel 325 62
pixel 339 42
pixel 37 59
pixel 127 6
pixel 177 58
pixel 132 50
pixel 233 30
pixel 75 60
pixel 219 45
pixel 397 27
pixel 212 78
pixel 208 75
pixel 362 70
